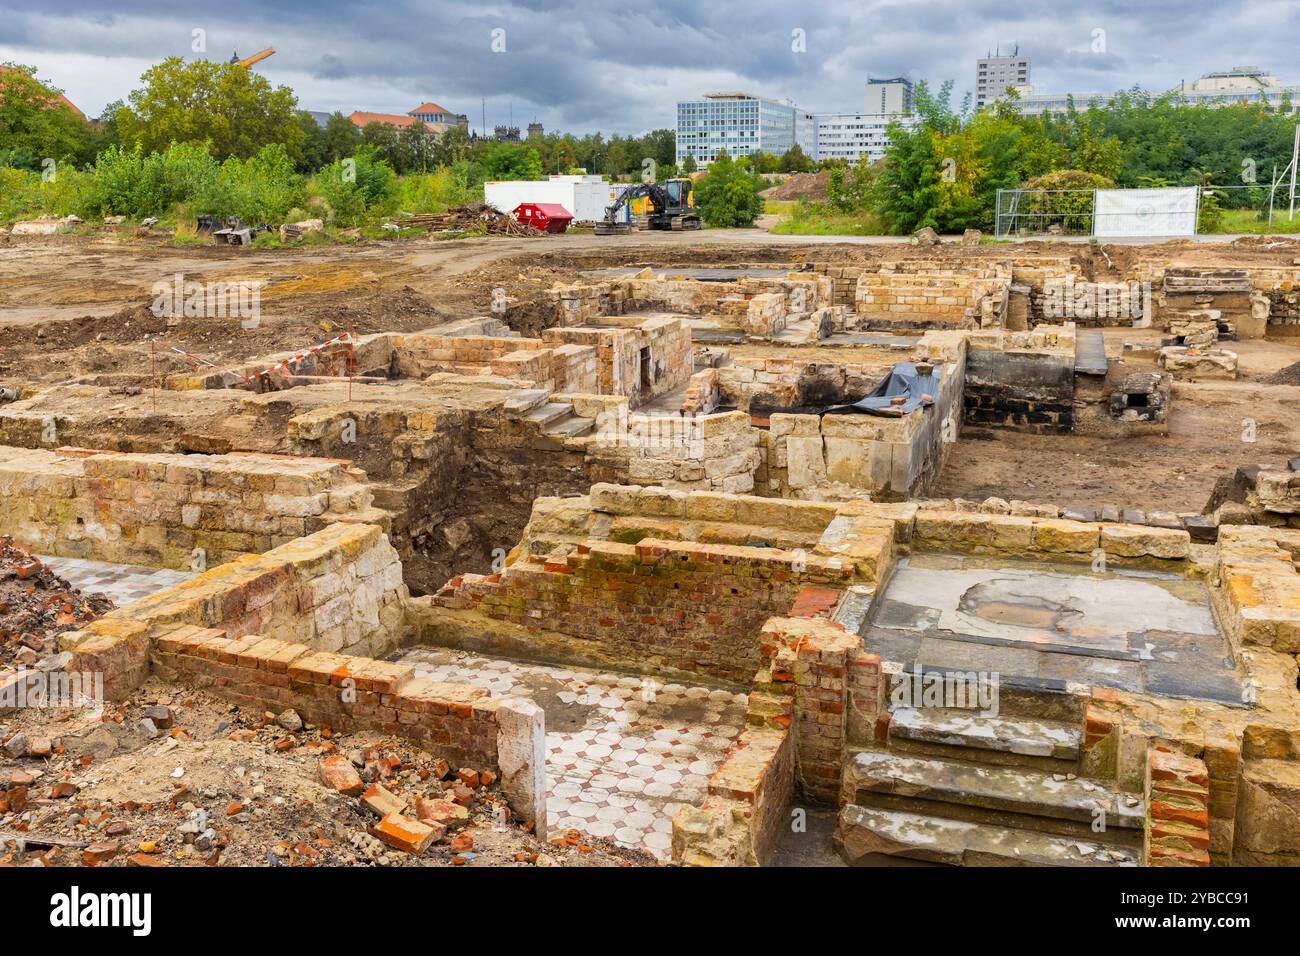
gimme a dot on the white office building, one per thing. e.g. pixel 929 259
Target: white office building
pixel 854 136
pixel 744 124
pixel 737 122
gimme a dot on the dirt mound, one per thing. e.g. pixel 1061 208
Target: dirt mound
pixel 1285 376
pixel 800 186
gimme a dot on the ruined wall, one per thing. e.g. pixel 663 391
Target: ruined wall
pixel 718 452
pixel 339 589
pixel 174 511
pixel 639 362
pixel 1021 380
pixel 525 361
pixel 892 458
pixel 844 280
pixel 679 605
pixel 760 385
pixel 933 293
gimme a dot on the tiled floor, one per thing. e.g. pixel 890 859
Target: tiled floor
pixel 123 583
pixel 623 753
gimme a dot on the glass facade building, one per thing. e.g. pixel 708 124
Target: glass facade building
pixel 737 122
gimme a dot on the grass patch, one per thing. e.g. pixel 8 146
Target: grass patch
pixel 1249 221
pixel 819 219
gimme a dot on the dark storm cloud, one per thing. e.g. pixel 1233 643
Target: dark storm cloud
pixel 620 67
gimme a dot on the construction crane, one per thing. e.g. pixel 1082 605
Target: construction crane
pixel 258 57
pixel 672 206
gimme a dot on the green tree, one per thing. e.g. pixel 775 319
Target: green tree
pixel 728 195
pixel 35 124
pixel 795 160
pixel 341 137
pixel 233 108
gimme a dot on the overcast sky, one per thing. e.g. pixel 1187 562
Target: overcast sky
pixel 620 67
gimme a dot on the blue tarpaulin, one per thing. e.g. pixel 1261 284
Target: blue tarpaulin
pixel 917 390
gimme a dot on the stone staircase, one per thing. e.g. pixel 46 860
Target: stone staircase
pixel 959 788
pixel 556 419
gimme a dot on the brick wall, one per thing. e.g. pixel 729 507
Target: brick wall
pixel 1177 822
pixel 684 606
pixel 462 724
pixel 171 511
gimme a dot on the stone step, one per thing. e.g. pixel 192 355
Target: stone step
pixel 983 793
pixel 865 835
pixel 1090 352
pixel 571 427
pixel 549 413
pixel 975 734
pixel 526 399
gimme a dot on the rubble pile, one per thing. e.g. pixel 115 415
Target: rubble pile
pixel 179 778
pixel 36 605
pixel 477 217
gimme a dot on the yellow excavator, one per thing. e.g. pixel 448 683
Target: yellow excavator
pixel 258 57
pixel 671 206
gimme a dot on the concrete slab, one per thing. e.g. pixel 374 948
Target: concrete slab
pixel 1046 625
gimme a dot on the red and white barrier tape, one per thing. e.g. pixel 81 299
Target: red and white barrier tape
pixel 294 360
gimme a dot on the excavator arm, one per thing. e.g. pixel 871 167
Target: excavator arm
pixel 664 213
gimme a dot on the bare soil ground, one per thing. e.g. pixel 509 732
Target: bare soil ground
pixel 1215 427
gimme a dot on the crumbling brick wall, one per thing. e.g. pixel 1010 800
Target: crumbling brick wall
pixel 686 606
pixel 461 724
pixel 922 293
pixel 1177 822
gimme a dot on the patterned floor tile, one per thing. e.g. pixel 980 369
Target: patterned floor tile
pixel 123 583
pixel 632 752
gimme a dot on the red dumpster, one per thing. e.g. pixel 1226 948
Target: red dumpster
pixel 544 216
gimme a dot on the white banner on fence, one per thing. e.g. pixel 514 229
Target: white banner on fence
pixel 1145 212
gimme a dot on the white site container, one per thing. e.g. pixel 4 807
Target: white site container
pixel 586 197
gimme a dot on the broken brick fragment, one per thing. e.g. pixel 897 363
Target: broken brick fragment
pixel 337 773
pixel 403 833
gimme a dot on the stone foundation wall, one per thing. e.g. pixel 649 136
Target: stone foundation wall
pixel 339 589
pixel 174 511
pixel 844 280
pixel 892 458
pixel 639 362
pixel 760 385
pixel 1259 593
pixel 717 452
pixel 525 361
